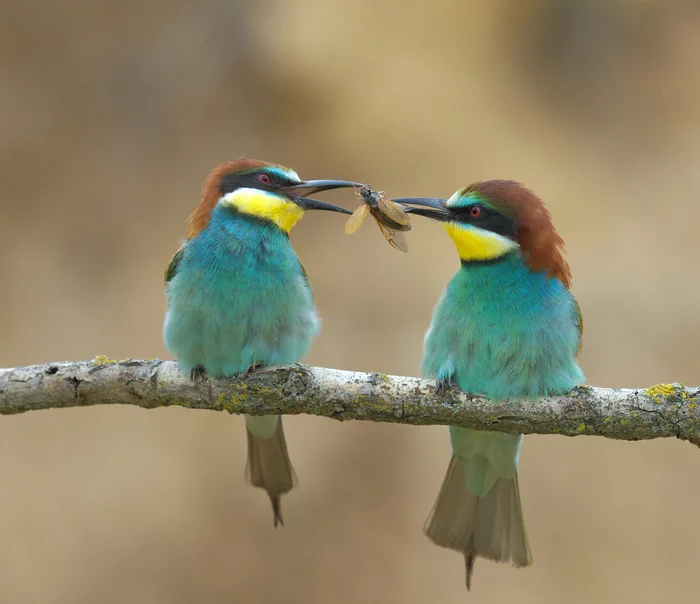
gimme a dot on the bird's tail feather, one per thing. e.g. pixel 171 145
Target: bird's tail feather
pixel 269 466
pixel 491 526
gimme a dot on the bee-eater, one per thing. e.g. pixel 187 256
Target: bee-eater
pixel 506 326
pixel 238 297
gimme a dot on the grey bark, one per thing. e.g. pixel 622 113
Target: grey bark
pixel 663 410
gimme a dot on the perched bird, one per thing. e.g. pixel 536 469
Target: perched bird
pixel 506 326
pixel 238 297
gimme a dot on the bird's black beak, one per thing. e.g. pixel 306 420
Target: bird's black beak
pixel 314 204
pixel 309 187
pixel 430 207
pixel 298 193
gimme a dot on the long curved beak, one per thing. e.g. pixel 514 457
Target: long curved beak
pixel 314 204
pixel 309 187
pixel 430 207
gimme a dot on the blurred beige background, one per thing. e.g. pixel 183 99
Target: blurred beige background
pixel 112 112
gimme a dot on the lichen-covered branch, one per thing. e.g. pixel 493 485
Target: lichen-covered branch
pixel 659 411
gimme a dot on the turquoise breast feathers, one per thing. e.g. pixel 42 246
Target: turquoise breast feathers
pixel 239 296
pixel 504 331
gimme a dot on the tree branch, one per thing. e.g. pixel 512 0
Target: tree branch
pixel 663 410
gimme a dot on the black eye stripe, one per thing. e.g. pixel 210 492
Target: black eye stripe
pixel 231 182
pixel 466 211
pixel 488 219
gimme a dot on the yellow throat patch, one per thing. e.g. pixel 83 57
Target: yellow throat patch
pixel 263 204
pixel 475 244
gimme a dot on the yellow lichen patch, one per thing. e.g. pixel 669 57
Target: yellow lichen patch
pixel 232 404
pixel 102 359
pixel 581 428
pixel 236 402
pixel 223 404
pixel 377 407
pixel 659 391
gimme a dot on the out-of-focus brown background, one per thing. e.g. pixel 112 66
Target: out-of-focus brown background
pixel 112 112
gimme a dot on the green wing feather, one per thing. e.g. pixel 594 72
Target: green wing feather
pixel 579 323
pixel 306 278
pixel 171 271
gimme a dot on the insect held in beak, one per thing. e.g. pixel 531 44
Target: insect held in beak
pixel 390 217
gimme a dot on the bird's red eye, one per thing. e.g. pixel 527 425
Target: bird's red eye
pixel 475 212
pixel 264 178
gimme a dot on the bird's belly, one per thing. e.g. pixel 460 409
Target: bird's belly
pixel 225 326
pixel 502 360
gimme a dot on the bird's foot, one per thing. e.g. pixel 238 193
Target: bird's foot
pixel 252 368
pixel 443 386
pixel 198 374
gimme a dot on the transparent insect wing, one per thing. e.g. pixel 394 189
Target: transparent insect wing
pixel 396 240
pixel 355 221
pixel 393 211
